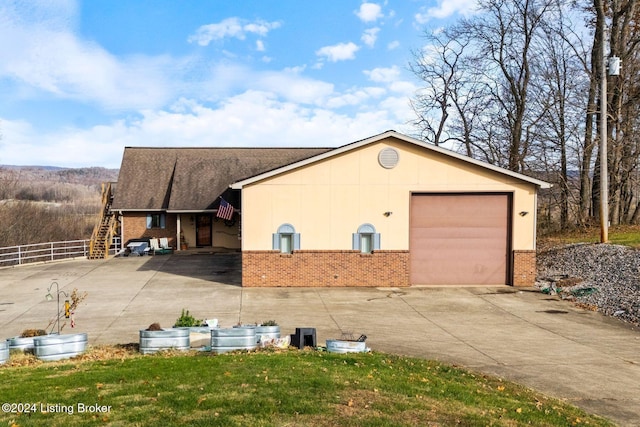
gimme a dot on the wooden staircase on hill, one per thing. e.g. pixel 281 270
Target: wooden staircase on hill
pixel 105 229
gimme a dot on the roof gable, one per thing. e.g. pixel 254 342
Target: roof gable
pixel 374 139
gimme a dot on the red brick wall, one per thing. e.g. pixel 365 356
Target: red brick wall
pixel 524 268
pixel 315 268
pixel 134 225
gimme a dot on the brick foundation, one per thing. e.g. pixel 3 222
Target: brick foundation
pixel 135 227
pixel 524 268
pixel 315 268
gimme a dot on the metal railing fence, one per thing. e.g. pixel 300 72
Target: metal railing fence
pixel 47 252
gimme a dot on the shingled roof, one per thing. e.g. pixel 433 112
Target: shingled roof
pixel 184 179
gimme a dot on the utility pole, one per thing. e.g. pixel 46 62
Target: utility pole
pixel 610 66
pixel 604 172
pixel 604 181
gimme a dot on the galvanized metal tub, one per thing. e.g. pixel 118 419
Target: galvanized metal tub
pixel 4 352
pixel 166 339
pixel 199 336
pixel 264 333
pixel 21 344
pixel 57 347
pixel 229 339
pixel 342 346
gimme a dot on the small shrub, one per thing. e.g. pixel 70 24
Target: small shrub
pixel 187 320
pixel 154 327
pixel 269 323
pixel 27 333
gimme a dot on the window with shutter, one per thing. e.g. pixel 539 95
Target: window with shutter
pixel 286 240
pixel 366 240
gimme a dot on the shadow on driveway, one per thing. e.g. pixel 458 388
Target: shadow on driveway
pixel 225 268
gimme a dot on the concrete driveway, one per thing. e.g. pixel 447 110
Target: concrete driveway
pixel 517 334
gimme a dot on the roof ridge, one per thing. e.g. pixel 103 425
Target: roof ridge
pixel 234 148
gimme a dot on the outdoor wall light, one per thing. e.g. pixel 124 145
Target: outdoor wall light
pixel 523 213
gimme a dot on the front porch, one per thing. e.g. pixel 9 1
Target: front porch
pixel 203 230
pixel 186 232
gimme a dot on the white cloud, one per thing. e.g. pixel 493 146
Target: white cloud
pixel 393 80
pixel 233 28
pixel 45 56
pixel 292 87
pixel 100 145
pixel 369 12
pixel 383 75
pixel 260 46
pixel 400 111
pixel 403 87
pixel 295 70
pixel 446 9
pixel 393 45
pixel 370 36
pixel 356 97
pixel 338 52
pixel 250 119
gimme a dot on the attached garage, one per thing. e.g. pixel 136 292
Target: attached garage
pixel 460 239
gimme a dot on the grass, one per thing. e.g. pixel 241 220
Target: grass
pixel 628 235
pixel 271 388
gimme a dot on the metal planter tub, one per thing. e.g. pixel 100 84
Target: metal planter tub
pixel 224 340
pixel 342 346
pixel 199 336
pixel 24 344
pixel 166 339
pixel 4 352
pixel 58 347
pixel 267 333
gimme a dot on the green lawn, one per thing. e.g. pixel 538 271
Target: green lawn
pixel 269 388
pixel 628 235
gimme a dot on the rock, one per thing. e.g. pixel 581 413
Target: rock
pixel 600 275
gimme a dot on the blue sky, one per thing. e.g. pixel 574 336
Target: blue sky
pixel 80 80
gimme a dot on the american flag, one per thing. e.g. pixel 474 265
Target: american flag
pixel 225 210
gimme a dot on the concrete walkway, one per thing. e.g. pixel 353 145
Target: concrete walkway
pixel 517 334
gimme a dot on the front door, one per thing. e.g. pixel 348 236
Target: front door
pixel 203 230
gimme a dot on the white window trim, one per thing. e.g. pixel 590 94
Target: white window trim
pixel 365 230
pixel 286 230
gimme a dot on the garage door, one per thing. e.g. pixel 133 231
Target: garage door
pixel 459 239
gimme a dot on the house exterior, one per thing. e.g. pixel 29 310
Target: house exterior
pixel 388 210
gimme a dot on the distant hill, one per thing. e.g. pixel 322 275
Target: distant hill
pixel 18 167
pixel 52 184
pixel 84 176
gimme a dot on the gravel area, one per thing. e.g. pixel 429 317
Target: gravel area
pixel 603 277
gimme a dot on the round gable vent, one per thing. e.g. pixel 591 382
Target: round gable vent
pixel 388 157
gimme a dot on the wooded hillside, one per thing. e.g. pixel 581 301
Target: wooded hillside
pixel 42 204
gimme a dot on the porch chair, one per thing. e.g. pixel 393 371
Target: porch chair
pixel 164 246
pixel 154 246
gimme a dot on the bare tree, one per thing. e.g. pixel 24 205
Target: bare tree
pixel 506 32
pixel 560 92
pixel 517 86
pixel 495 49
